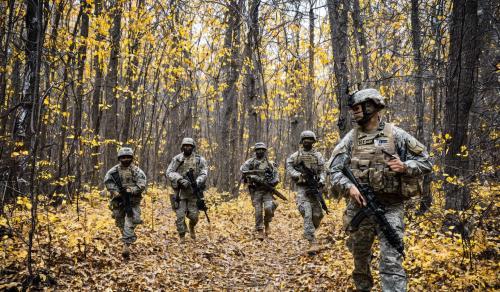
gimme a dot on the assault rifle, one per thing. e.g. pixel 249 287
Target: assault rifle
pixel 312 184
pixel 373 208
pixel 124 198
pixel 198 192
pixel 268 174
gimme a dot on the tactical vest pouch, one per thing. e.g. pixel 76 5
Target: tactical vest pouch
pixel 411 187
pixel 376 179
pixel 392 181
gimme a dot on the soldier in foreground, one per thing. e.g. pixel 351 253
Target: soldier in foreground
pixel 388 161
pixel 261 175
pixel 306 168
pixel 126 182
pixel 184 201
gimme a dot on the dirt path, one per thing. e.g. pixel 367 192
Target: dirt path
pixel 225 255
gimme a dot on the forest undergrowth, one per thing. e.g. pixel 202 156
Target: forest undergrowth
pixel 81 250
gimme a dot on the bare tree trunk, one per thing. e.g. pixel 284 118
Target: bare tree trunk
pixel 461 78
pixel 231 67
pixel 82 57
pixel 359 32
pixel 110 128
pixel 252 80
pixel 426 199
pixel 27 116
pixel 96 104
pixel 131 83
pixel 309 100
pixel 337 12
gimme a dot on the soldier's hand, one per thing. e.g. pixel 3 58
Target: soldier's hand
pixel 184 183
pixel 114 194
pixel 356 195
pixel 396 165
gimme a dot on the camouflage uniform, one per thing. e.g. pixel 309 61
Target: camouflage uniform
pixel 134 178
pixel 362 152
pixel 309 207
pixel 261 199
pixel 177 170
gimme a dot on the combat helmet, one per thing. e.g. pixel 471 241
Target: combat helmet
pixel 125 151
pixel 188 141
pixel 365 95
pixel 260 145
pixel 307 134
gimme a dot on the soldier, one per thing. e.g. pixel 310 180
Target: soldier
pixel 257 172
pixel 309 206
pixel 392 175
pixel 126 182
pixel 184 202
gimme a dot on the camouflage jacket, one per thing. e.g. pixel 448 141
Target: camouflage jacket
pixel 174 173
pixel 253 164
pixel 137 184
pixel 412 153
pixel 294 160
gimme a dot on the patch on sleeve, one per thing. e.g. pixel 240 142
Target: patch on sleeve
pixel 414 145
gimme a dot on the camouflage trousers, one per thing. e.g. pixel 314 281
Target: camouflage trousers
pixel 187 208
pixel 263 202
pixel 126 224
pixel 359 242
pixel 310 209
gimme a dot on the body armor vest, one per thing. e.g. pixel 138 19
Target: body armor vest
pixel 310 160
pixel 126 176
pixel 260 165
pixel 368 162
pixel 189 162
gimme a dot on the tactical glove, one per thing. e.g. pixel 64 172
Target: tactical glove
pixel 183 183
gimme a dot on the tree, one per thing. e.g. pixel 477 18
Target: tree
pixel 461 90
pixel 337 12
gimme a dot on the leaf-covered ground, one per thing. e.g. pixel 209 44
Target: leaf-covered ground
pixel 84 253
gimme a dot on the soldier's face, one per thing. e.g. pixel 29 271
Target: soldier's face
pixel 307 144
pixel 259 153
pixel 187 149
pixel 126 160
pixel 357 112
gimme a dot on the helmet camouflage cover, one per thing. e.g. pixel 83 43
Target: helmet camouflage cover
pixel 307 134
pixel 188 141
pixel 260 145
pixel 125 151
pixel 365 95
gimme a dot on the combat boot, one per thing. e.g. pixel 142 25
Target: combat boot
pixel 126 251
pixel 267 228
pixel 260 234
pixel 192 232
pixel 313 247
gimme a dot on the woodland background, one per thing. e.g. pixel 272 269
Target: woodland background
pixel 80 78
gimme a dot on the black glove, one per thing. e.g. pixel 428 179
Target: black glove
pixel 183 183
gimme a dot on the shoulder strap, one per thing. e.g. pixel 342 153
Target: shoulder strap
pixel 389 133
pixel 354 140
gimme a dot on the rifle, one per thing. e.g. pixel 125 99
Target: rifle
pixel 312 183
pixel 267 175
pixel 375 208
pixel 198 192
pixel 124 195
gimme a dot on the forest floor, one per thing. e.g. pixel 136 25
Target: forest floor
pixel 82 251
